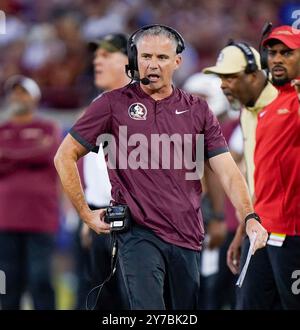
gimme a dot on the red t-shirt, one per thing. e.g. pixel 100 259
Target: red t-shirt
pixel 28 180
pixel 277 164
pixel 160 199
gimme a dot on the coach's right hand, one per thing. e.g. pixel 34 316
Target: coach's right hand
pixel 95 220
pixel 256 231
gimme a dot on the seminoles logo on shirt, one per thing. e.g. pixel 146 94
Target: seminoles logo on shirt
pixel 137 111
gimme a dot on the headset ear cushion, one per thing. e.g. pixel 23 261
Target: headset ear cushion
pixel 264 58
pixel 251 67
pixel 132 62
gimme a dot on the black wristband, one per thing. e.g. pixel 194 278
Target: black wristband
pixel 252 216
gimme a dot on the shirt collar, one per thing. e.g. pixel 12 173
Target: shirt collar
pixel 268 95
pixel 145 95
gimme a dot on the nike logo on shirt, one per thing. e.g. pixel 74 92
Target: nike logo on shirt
pixel 179 112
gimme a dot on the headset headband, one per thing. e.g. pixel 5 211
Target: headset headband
pixel 180 47
pixel 266 30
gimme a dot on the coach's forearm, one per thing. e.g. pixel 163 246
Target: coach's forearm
pixel 236 189
pixel 70 179
pixel 233 183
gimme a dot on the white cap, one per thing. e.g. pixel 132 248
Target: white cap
pixel 210 87
pixel 28 84
pixel 232 60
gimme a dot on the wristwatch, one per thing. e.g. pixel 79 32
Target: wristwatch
pixel 252 216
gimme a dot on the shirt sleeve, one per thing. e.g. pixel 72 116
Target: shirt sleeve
pixel 95 121
pixel 214 141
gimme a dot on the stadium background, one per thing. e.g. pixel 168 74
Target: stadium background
pixel 47 40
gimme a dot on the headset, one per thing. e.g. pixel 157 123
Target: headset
pixel 132 66
pixel 248 53
pixel 263 51
pixel 266 30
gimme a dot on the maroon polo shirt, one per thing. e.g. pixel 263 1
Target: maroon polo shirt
pixel 29 190
pixel 159 198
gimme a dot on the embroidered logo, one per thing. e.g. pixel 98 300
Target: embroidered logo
pixel 137 111
pixel 180 112
pixel 283 111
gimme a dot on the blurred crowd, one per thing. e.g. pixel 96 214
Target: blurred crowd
pixel 46 40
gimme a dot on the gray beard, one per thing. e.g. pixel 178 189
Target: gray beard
pixel 235 105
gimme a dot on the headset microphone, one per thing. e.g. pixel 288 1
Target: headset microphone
pixel 144 81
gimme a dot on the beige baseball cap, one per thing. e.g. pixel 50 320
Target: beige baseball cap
pixel 232 60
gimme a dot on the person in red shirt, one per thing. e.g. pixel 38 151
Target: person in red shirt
pixel 269 280
pixel 29 192
pixel 159 255
pixel 277 173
